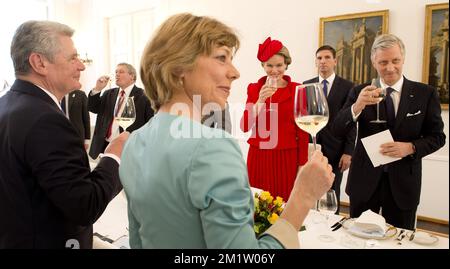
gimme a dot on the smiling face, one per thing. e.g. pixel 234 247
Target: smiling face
pixel 275 66
pixel 389 64
pixel 64 72
pixel 211 77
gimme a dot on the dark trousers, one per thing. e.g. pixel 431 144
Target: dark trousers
pixel 383 198
pixel 337 186
pixel 105 144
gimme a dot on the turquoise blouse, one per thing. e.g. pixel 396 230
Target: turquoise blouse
pixel 187 187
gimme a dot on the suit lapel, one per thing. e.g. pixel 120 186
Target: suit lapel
pixel 407 96
pixel 334 89
pixel 72 97
pixel 113 96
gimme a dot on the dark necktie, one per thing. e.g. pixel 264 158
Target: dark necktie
pixel 63 105
pixel 390 111
pixel 116 112
pixel 325 87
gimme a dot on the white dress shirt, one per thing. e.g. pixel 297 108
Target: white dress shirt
pixel 330 81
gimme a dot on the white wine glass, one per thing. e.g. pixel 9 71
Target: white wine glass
pixel 327 206
pixel 310 109
pixel 127 116
pixel 376 83
pixel 271 83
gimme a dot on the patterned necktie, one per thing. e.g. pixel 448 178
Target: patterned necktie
pixel 390 110
pixel 116 112
pixel 325 87
pixel 119 104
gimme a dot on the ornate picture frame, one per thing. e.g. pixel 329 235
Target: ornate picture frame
pixel 352 36
pixel 435 50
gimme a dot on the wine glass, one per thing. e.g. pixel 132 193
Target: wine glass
pixel 327 206
pixel 310 109
pixel 110 77
pixel 271 83
pixel 127 115
pixel 376 83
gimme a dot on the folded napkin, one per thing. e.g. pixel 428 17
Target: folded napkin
pixel 370 223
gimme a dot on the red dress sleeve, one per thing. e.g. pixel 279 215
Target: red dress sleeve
pixel 303 140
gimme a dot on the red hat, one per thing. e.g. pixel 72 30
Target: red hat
pixel 268 49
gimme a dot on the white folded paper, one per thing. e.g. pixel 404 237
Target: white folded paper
pixel 370 223
pixel 372 145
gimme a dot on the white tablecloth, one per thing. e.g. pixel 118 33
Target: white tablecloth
pixel 113 225
pixel 315 226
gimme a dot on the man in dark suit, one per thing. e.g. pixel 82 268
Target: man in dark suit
pixel 413 116
pixel 109 104
pixel 74 106
pixel 337 149
pixel 219 118
pixel 49 198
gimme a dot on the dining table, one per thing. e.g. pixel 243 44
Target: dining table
pixel 316 224
pixel 111 231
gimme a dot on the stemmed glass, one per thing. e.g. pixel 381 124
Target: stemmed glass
pixel 327 205
pixel 127 116
pixel 271 83
pixel 110 79
pixel 310 109
pixel 376 83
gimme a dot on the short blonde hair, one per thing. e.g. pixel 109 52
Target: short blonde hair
pixel 175 47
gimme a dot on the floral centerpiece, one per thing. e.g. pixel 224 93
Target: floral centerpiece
pixel 267 211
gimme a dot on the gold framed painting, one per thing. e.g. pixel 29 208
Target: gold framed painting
pixel 352 36
pixel 435 54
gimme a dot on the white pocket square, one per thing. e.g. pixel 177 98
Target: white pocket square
pixel 413 114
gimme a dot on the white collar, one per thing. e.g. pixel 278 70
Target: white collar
pixel 329 79
pixel 51 96
pixel 397 85
pixel 127 89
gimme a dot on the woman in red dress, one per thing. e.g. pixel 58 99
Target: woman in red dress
pixel 277 146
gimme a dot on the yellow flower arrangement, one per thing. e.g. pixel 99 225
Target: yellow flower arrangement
pixel 267 211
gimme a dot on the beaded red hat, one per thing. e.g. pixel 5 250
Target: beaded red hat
pixel 268 49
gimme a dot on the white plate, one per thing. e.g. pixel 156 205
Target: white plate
pixel 390 232
pixel 423 238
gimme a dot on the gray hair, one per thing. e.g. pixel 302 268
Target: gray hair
pixel 39 37
pixel 385 41
pixel 131 70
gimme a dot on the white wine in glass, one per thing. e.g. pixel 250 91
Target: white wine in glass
pixel 127 116
pixel 271 83
pixel 310 109
pixel 376 83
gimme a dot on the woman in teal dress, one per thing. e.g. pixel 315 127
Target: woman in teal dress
pixel 186 183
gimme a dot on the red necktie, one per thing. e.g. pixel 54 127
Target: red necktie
pixel 116 112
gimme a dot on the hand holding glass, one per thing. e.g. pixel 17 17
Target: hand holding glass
pixel 127 116
pixel 376 83
pixel 271 83
pixel 310 109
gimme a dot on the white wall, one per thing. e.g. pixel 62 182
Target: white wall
pixel 294 22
